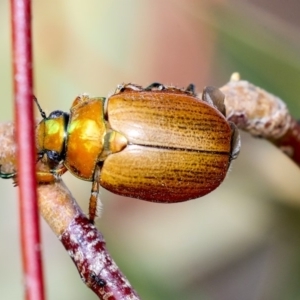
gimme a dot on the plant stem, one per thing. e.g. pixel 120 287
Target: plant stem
pixel 26 157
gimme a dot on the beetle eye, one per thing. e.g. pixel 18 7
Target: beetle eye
pixel 54 155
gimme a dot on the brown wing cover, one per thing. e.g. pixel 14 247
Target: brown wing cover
pixel 169 120
pixel 163 175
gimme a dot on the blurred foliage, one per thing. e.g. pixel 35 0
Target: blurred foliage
pixel 259 53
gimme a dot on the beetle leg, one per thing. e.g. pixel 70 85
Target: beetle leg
pixel 155 85
pixel 215 97
pixel 191 89
pixel 50 175
pixel 12 176
pixel 95 203
pixel 235 141
pixel 45 177
pixel 59 171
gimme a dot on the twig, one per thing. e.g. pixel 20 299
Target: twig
pixel 262 115
pixel 26 156
pixel 84 243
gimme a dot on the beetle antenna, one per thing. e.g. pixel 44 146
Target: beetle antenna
pixel 43 114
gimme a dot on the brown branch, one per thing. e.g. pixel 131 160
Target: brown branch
pixel 84 243
pixel 262 115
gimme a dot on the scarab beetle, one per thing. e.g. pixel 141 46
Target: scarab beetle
pixel 160 144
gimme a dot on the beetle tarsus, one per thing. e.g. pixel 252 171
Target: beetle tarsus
pixel 191 89
pixel 59 171
pixel 235 141
pixel 94 202
pixel 155 86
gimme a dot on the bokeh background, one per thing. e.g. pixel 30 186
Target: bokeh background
pixel 240 242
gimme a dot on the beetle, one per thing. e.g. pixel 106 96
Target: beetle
pixel 159 143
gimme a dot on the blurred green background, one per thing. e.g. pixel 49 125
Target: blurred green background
pixel 241 241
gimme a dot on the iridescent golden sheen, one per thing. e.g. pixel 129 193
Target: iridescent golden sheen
pixel 86 131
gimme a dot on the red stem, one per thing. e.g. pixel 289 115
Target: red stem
pixel 26 157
